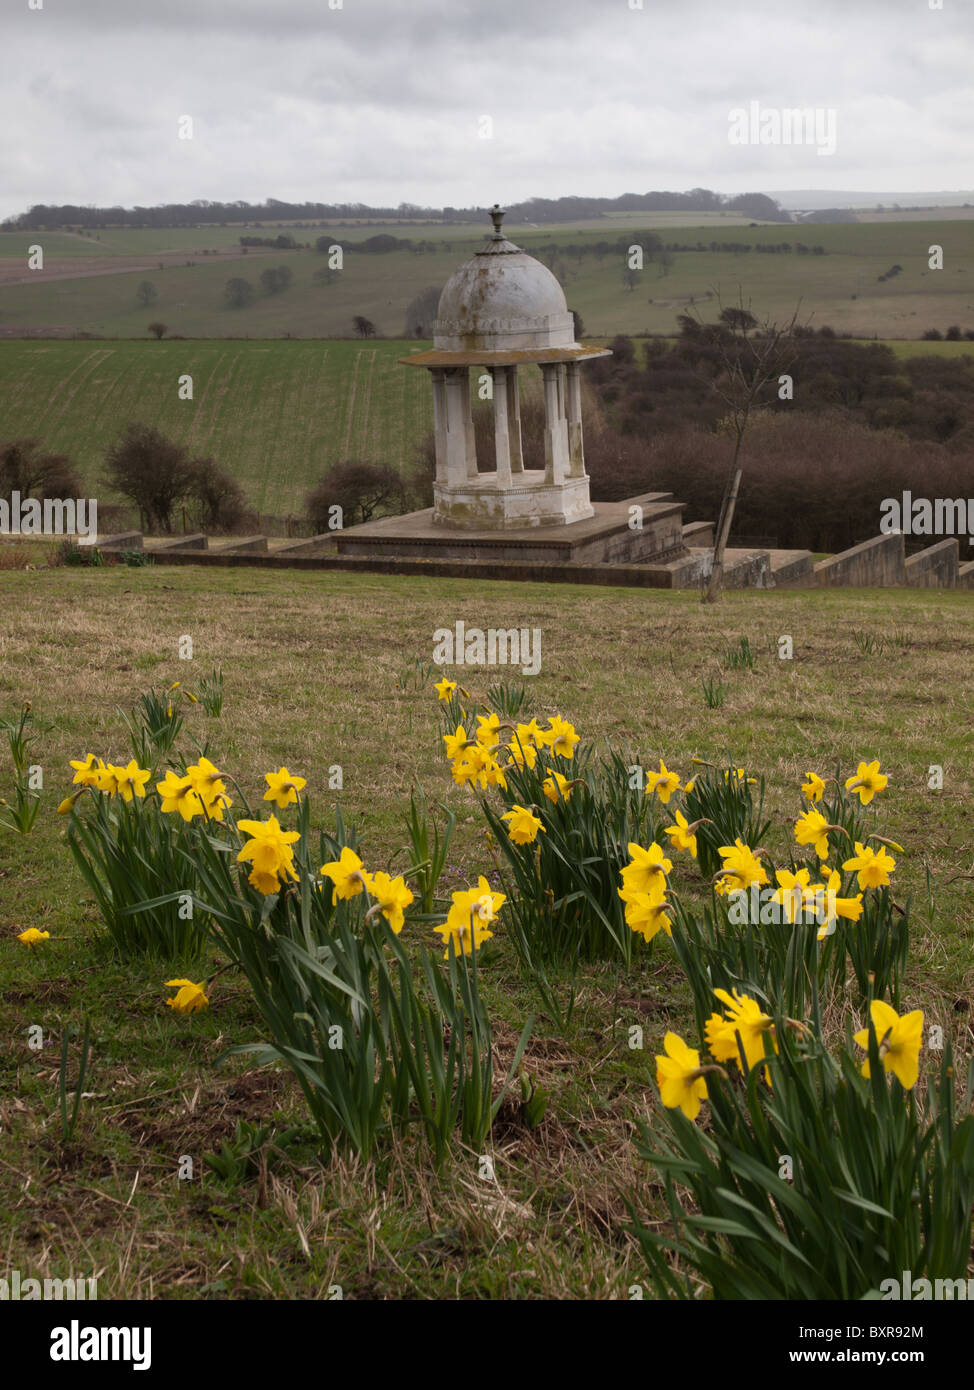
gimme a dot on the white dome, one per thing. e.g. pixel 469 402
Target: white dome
pixel 502 300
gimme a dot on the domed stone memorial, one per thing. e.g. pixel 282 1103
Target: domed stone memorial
pixel 502 310
pixel 499 312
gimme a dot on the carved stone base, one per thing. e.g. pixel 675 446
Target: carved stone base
pixel 480 504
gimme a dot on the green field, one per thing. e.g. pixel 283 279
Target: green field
pixel 841 288
pixel 276 414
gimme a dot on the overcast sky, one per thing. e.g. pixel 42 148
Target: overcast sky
pixel 380 101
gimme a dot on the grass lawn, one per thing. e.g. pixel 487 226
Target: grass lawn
pixel 326 669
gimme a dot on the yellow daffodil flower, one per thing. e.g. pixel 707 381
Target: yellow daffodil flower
pixel 646 913
pixel 873 866
pixel 32 937
pixel 444 689
pixel 524 826
pixel 270 853
pixel 190 998
pixel 347 874
pixel 742 1016
pixel 813 829
pixel 678 1077
pixel 86 771
pixel 283 788
pixel 664 783
pixel 790 893
pixel 455 743
pixel 868 780
pixel 178 795
pixel 487 733
pixel 466 926
pixel 392 897
pixel 899 1040
pixel 560 737
pixel 813 786
pixel 681 835
pixel 741 868
pixel 555 788
pixel 646 872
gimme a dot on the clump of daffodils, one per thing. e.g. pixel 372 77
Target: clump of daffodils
pixel 350 879
pixel 467 925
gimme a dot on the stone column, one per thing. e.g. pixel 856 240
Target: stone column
pixel 471 439
pixel 514 420
pixel 459 426
pixel 573 394
pixel 440 422
pixel 502 437
pixel 555 432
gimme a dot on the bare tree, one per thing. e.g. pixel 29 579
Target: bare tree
pixel 364 327
pixel 747 367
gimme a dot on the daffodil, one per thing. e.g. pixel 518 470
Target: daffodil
pixel 813 786
pixel 455 743
pixel 522 754
pixel 664 783
pixel 106 778
pixel 68 804
pixel 466 926
pixel 444 689
pixel 646 871
pixel 790 893
pixel 868 780
pixel 207 782
pixel 347 874
pixel 899 1041
pixel 681 835
pixel 392 897
pixel 738 776
pixel 189 999
pixel 824 898
pixel 560 737
pixel 283 787
pixel 86 771
pixel 32 937
pixel 132 780
pixel 556 788
pixel 742 1018
pixel 813 829
pixel 873 866
pixel 178 795
pixel 524 826
pixel 741 868
pixel 269 852
pixel 530 733
pixel 679 1077
pixel 487 733
pixel 645 913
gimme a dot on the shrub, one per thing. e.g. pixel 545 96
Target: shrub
pixel 360 489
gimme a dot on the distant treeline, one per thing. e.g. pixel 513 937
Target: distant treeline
pixel 201 212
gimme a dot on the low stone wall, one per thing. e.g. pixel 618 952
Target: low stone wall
pixel 123 540
pixel 879 563
pixel 936 567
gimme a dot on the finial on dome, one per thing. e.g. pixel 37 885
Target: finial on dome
pixel 497 215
